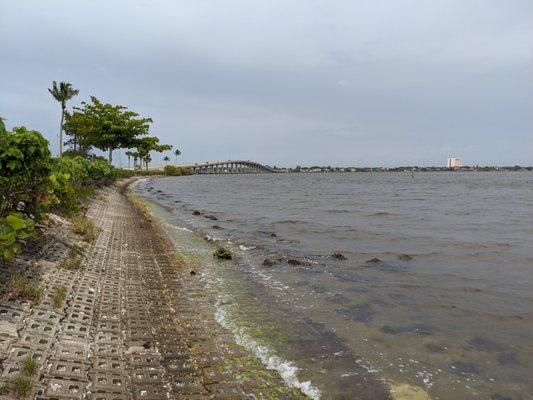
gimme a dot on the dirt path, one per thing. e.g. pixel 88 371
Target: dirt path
pixel 134 324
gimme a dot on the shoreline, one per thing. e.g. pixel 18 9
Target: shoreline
pixel 135 321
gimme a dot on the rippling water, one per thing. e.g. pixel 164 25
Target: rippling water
pixel 435 296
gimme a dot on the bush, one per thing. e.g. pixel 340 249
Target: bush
pixel 172 170
pixel 33 183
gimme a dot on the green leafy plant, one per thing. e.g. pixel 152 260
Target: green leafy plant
pixel 14 228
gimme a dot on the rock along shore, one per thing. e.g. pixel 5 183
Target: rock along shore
pixel 134 323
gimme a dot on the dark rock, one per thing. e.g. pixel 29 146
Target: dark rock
pixel 405 257
pixel 177 201
pixel 338 256
pixel 193 272
pixel 294 261
pixel 147 344
pixel 273 235
pixel 159 191
pixel 268 263
pixel 374 260
pixel 222 254
pixel 196 212
pixel 217 227
pixel 211 217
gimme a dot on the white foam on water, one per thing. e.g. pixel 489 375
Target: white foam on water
pixel 287 369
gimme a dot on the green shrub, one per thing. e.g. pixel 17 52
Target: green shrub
pixel 33 183
pixel 222 253
pixel 25 165
pixel 172 170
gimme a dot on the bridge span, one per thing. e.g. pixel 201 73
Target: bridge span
pixel 228 167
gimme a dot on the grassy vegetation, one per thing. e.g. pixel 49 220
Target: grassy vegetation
pixel 85 228
pixel 20 287
pixel 222 254
pixel 73 261
pixel 29 366
pixel 20 386
pixel 59 296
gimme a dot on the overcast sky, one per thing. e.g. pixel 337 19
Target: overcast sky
pixel 286 82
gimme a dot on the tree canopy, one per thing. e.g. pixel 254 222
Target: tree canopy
pixel 106 126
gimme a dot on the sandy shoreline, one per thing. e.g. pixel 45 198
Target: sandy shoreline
pixel 136 322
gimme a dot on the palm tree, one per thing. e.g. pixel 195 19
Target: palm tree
pixel 177 152
pixel 166 160
pixel 129 154
pixel 62 93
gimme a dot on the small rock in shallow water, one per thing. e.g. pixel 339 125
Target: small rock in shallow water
pixel 193 272
pixel 374 260
pixel 338 256
pixel 211 217
pixel 196 212
pixel 217 227
pixel 268 263
pixel 405 257
pixel 294 261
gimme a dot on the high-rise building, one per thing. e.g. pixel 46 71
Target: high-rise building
pixel 454 162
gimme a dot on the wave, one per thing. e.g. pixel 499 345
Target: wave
pixel 287 369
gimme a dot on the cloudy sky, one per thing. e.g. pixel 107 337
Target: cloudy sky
pixel 286 82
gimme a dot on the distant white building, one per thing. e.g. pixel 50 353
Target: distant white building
pixel 454 162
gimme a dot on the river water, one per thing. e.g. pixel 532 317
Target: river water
pixel 434 298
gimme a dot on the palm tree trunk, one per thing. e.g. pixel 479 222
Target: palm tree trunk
pixel 61 132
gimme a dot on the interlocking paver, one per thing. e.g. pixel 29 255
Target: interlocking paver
pixel 133 327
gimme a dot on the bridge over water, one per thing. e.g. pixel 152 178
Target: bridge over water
pixel 229 167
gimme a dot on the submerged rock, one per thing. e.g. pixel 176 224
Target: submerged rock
pixel 193 272
pixel 417 329
pixel 211 217
pixel 268 263
pixel 222 254
pixel 294 261
pixel 374 260
pixel 338 256
pixel 196 212
pixel 405 257
pixel 217 227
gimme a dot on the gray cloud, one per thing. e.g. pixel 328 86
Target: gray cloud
pixel 287 82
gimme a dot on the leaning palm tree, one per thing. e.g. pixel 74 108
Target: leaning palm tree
pixel 177 152
pixel 62 93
